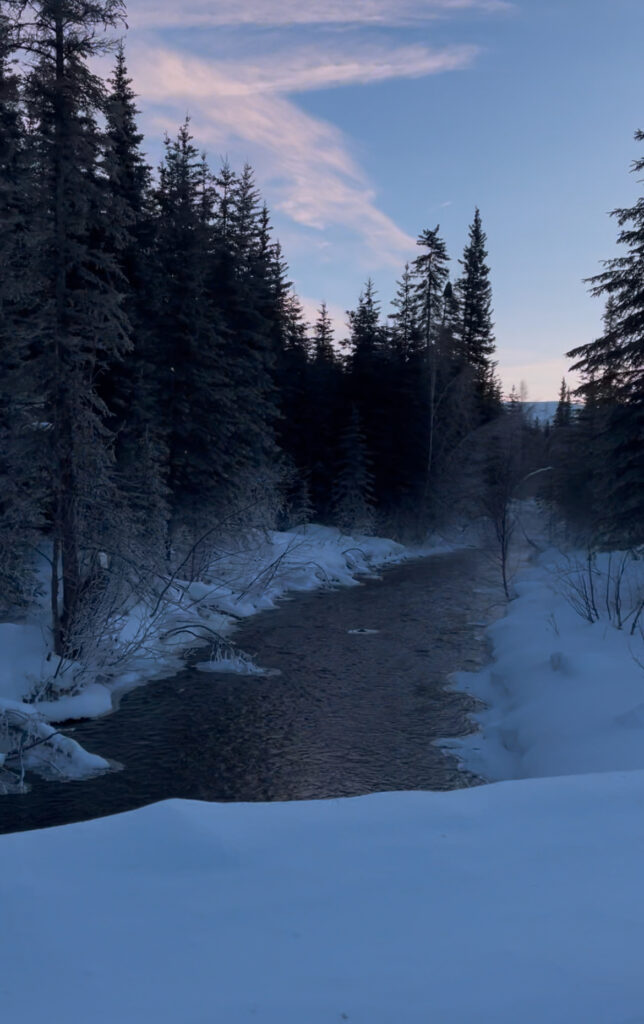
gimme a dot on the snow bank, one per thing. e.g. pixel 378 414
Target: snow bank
pixel 245 578
pixel 253 577
pixel 564 695
pixel 517 902
pixel 28 742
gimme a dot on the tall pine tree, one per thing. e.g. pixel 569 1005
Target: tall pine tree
pixel 477 343
pixel 81 326
pixel 431 274
pixel 20 507
pixel 612 368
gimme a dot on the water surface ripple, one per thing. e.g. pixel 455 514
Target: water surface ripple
pixel 349 712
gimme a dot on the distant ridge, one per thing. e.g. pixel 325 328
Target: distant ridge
pixel 544 412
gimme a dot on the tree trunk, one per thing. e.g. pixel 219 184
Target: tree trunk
pixel 65 526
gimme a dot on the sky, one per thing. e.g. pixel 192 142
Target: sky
pixel 368 121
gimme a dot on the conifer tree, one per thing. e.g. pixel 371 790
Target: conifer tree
pixel 189 362
pixel 325 398
pixel 618 355
pixel 242 277
pixel 563 411
pixel 612 369
pixel 477 341
pixel 407 407
pixel 129 386
pixel 286 342
pixel 323 336
pixel 405 328
pixel 455 414
pixel 19 407
pixel 80 325
pixel 364 323
pixel 353 502
pixel 431 273
pixel 368 384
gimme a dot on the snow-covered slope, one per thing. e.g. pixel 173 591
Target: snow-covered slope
pixel 563 694
pixel 516 903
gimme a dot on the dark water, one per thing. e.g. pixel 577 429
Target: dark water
pixel 347 714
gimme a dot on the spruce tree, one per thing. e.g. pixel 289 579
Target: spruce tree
pixel 455 415
pixel 477 343
pixel 129 386
pixel 405 331
pixel 618 354
pixel 20 504
pixel 431 273
pixel 80 326
pixel 286 340
pixel 325 398
pixel 563 411
pixel 189 358
pixel 323 336
pixel 368 384
pixel 353 501
pixel 242 279
pixel 407 403
pixel 612 369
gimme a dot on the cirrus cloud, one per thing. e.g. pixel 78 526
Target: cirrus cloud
pixel 306 162
pixel 166 13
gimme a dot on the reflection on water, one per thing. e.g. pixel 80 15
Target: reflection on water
pixel 353 707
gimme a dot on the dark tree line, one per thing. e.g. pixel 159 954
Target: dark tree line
pixel 597 450
pixel 158 381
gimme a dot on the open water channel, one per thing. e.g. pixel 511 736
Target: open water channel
pixel 352 706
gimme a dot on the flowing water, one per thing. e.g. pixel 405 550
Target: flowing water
pixel 352 706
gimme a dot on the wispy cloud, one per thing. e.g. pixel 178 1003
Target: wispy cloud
pixel 315 179
pixel 242 101
pixel 164 74
pixel 166 13
pixel 307 68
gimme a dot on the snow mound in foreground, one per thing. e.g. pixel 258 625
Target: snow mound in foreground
pixel 517 902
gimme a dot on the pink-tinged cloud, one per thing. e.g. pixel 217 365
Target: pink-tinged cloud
pixel 165 74
pixel 313 177
pixel 165 13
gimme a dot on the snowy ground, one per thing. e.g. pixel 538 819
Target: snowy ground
pixel 518 902
pixel 515 903
pixel 246 577
pixel 564 695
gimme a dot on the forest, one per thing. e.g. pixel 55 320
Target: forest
pixel 160 388
pixel 322 655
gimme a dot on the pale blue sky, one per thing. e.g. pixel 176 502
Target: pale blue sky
pixel 369 121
